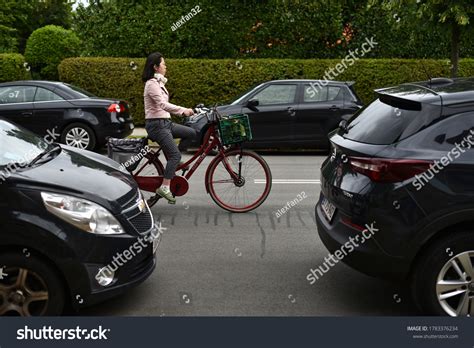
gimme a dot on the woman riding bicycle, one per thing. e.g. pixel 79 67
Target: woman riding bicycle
pixel 158 119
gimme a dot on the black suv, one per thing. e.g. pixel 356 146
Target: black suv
pixel 397 196
pixel 74 228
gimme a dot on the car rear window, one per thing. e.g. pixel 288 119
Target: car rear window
pixel 80 93
pixel 383 124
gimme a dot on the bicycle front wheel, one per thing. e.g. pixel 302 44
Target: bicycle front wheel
pixel 240 181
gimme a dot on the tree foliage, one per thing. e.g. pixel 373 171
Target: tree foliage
pixel 47 47
pixel 19 18
pixel 451 17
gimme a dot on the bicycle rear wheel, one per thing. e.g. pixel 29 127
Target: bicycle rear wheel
pixel 150 167
pixel 248 189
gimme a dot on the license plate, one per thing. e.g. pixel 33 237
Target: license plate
pixel 328 208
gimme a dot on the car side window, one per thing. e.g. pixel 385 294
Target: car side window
pixel 17 94
pixel 276 94
pixel 43 94
pixel 314 93
pixel 455 130
pixel 349 96
pixel 335 93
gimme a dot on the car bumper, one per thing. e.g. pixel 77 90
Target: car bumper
pixel 144 271
pixel 366 257
pixel 129 274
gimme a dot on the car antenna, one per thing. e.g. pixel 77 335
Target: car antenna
pixel 427 74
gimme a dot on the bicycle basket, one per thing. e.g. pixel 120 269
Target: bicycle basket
pixel 127 152
pixel 235 129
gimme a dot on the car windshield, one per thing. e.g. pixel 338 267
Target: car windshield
pixel 383 124
pixel 244 96
pixel 18 146
pixel 81 93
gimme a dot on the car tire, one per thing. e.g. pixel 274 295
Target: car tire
pixel 445 269
pixel 80 136
pixel 25 279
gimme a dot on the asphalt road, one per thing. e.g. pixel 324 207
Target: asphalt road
pixel 212 262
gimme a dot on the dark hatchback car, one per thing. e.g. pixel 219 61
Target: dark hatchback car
pixel 66 216
pixel 294 113
pixel 404 166
pixel 69 114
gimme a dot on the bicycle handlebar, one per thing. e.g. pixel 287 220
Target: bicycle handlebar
pixel 211 113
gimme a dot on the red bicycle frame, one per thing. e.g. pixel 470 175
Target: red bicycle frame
pixel 179 184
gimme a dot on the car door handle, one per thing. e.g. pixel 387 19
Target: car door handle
pixel 27 114
pixel 291 111
pixel 334 108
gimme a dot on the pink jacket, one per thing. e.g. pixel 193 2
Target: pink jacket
pixel 156 101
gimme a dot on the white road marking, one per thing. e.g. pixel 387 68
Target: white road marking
pixel 289 181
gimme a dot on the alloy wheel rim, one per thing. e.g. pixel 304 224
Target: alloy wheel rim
pixel 78 137
pixel 23 293
pixel 455 285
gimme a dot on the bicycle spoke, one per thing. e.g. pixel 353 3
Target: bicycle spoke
pixel 242 193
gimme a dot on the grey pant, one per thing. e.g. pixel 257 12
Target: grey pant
pixel 163 131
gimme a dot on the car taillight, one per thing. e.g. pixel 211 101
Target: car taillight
pixel 389 170
pixel 116 108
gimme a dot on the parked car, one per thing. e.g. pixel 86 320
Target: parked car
pixel 403 166
pixel 294 113
pixel 65 215
pixel 76 117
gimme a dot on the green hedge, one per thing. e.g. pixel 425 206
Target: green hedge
pixel 208 81
pixel 12 67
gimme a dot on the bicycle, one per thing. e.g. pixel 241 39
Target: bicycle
pixel 237 180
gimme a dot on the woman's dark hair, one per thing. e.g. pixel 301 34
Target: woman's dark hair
pixel 152 60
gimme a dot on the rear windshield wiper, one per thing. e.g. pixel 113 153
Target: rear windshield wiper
pixel 43 154
pixel 343 126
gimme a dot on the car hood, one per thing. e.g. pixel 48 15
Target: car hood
pixel 229 109
pixel 82 174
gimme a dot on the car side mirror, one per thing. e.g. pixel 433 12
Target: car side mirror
pixel 252 105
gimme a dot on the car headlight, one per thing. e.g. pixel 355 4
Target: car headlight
pixel 86 215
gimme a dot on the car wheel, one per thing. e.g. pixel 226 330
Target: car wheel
pixel 443 281
pixel 79 135
pixel 29 287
